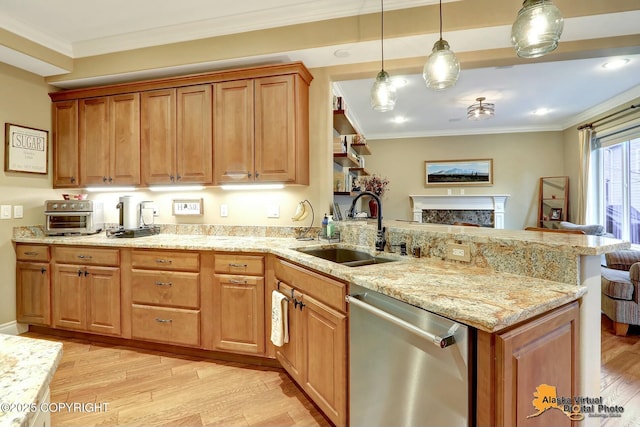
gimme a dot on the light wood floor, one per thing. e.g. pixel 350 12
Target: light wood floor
pixel 620 374
pixel 150 388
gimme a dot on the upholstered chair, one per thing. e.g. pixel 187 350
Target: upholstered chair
pixel 620 279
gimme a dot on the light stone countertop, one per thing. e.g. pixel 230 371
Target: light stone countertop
pixel 479 297
pixel 27 366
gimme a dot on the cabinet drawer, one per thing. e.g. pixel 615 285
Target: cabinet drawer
pixel 325 289
pixel 32 253
pixel 239 264
pixel 166 260
pixel 233 279
pixel 90 256
pixel 170 325
pixel 178 289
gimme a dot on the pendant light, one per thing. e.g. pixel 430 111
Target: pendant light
pixel 383 92
pixel 442 68
pixel 537 28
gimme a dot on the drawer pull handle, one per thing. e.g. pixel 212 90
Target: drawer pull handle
pixel 163 320
pixel 32 253
pixel 85 257
pixel 163 261
pixel 158 283
pixel 238 265
pixel 238 282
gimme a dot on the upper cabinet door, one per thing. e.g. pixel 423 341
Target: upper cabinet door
pixel 194 161
pixel 124 131
pixel 158 138
pixel 65 144
pixel 275 126
pixel 94 140
pixel 233 129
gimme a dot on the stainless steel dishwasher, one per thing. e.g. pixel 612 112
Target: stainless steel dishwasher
pixel 407 366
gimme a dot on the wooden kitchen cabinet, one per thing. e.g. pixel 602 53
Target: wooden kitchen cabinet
pixel 165 296
pixel 65 144
pixel 109 133
pixel 316 355
pixel 512 364
pixel 261 130
pixel 86 293
pixel 176 136
pixel 33 293
pixel 238 304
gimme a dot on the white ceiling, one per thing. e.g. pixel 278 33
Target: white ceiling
pixel 573 90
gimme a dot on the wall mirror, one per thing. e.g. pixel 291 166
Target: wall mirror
pixel 553 205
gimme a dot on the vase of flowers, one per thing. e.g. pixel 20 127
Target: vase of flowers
pixel 378 186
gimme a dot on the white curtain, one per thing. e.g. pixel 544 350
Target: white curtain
pixel 585 135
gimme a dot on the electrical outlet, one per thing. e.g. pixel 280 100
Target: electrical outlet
pixel 18 211
pixel 273 211
pixel 459 252
pixel 224 211
pixel 5 211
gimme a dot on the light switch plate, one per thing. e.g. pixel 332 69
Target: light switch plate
pixel 5 211
pixel 459 252
pixel 18 211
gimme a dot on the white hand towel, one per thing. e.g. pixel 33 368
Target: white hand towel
pixel 279 319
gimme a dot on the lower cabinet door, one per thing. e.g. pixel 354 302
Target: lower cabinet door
pixel 168 325
pixel 290 355
pixel 103 300
pixel 33 296
pixel 239 313
pixel 69 298
pixel 324 332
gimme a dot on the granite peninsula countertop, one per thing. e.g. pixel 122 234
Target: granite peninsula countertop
pixel 479 297
pixel 27 366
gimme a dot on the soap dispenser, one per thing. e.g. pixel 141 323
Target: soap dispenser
pixel 325 224
pixel 330 226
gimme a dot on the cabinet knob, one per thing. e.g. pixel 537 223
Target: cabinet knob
pixel 257 174
pixel 73 179
pixel 104 179
pixel 43 270
pixel 179 177
pixel 249 174
pixel 171 178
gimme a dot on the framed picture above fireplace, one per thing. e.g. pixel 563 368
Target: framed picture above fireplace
pixel 458 172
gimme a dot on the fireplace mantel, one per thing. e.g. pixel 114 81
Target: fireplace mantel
pixel 493 202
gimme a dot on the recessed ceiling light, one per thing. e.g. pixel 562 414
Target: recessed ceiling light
pixel 615 63
pixel 342 53
pixel 399 119
pixel 541 112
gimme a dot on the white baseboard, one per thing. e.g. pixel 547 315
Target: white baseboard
pixel 13 328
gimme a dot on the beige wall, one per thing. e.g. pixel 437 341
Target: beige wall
pixel 519 160
pixel 24 101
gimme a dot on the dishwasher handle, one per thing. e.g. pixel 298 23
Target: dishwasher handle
pixel 438 341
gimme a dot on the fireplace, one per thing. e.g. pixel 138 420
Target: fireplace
pixel 486 210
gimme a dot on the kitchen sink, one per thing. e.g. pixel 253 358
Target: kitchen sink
pixel 348 257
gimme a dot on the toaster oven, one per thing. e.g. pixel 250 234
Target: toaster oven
pixel 73 217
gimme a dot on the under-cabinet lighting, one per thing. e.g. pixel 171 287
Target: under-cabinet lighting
pixel 615 64
pixel 252 186
pixel 177 188
pixel 109 189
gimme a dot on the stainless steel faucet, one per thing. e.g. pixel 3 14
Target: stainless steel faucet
pixel 380 240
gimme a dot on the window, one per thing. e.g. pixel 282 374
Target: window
pixel 619 201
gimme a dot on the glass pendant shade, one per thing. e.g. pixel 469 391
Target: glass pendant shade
pixel 383 93
pixel 537 28
pixel 442 68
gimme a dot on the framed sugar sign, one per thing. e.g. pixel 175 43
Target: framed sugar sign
pixel 26 149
